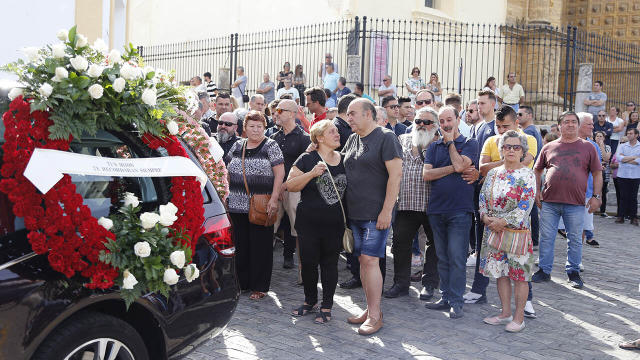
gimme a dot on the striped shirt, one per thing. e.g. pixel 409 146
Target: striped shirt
pixel 211 89
pixel 414 191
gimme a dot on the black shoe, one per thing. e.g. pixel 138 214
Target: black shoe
pixel 351 284
pixel 593 243
pixel 575 280
pixel 540 276
pixel 562 233
pixel 395 291
pixel 456 312
pixel 438 305
pixel 427 292
pixel 481 300
pixel 287 263
pixel 417 276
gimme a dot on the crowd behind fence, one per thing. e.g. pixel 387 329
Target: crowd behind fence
pixel 545 58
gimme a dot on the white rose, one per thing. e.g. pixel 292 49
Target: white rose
pixel 95 70
pixel 79 63
pixel 45 90
pixel 130 199
pixel 118 84
pixel 170 277
pixel 31 53
pixel 105 222
pixel 81 40
pixel 149 220
pixel 63 35
pixel 114 57
pixel 149 97
pixel 142 249
pixel 191 272
pixel 100 46
pixel 168 214
pixel 177 258
pixel 61 73
pixel 15 92
pixel 130 72
pixel 57 51
pixel 173 128
pixel 96 91
pixel 129 281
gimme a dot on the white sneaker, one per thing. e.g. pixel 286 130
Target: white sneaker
pixel 529 311
pixel 471 296
pixel 471 261
pixel 537 260
pixel 416 260
pixel 581 267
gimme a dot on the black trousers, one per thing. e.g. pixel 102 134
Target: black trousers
pixel 254 253
pixel 354 266
pixel 322 250
pixel 616 184
pixel 628 197
pixel 603 206
pixel 405 226
pixel 289 241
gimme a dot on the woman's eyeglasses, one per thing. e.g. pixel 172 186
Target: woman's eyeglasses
pixel 511 147
pixel 426 122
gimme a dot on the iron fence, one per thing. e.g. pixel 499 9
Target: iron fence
pixel 546 59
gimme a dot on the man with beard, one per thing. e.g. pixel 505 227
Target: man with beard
pixel 223 105
pixel 450 207
pixel 412 207
pixel 226 136
pixel 473 117
pixel 424 98
pixel 293 141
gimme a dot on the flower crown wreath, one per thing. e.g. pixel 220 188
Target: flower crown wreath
pixel 72 89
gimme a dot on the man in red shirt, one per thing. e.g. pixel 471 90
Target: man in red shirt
pixel 316 98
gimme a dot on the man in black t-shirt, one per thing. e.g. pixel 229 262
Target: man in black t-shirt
pixel 340 121
pixel 293 142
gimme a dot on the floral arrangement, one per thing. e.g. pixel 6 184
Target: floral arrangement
pixel 141 247
pixel 73 88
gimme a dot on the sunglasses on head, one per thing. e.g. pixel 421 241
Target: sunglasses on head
pixel 423 102
pixel 393 106
pixel 511 147
pixel 280 110
pixel 226 123
pixel 426 122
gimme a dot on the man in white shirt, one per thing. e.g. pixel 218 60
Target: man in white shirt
pixel 328 59
pixel 197 84
pixel 387 88
pixel 287 89
pixel 511 93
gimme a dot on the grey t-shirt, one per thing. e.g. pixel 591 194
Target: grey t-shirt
pixel 240 90
pixel 595 109
pixel 364 162
pixel 271 94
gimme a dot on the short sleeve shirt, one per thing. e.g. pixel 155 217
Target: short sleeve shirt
pixel 293 91
pixel 617 122
pixel 490 148
pixel 595 109
pixel 258 169
pixel 292 145
pixel 269 96
pixel 607 128
pixel 392 87
pixel 241 89
pixel 450 193
pixel 367 176
pixel 330 81
pixel 568 166
pixel 511 96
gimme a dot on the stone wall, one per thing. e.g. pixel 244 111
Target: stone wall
pixel 618 19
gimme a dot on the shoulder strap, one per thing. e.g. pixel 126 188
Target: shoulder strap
pixel 244 177
pixel 344 216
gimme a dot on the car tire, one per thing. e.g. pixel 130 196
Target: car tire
pixel 91 331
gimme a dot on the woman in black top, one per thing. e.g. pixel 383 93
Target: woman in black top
pixel 286 73
pixel 319 217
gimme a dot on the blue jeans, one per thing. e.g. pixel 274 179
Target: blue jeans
pixel 451 235
pixel 573 218
pixel 367 240
pixel 515 107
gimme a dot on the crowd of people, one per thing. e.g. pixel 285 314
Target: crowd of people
pixel 488 188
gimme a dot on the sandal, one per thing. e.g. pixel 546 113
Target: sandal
pixel 630 345
pixel 257 295
pixel 304 310
pixel 323 317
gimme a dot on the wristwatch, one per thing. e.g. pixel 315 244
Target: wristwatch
pixel 448 143
pixel 598 197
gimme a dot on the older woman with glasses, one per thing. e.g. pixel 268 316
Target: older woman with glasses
pixel 414 84
pixel 506 199
pixel 256 167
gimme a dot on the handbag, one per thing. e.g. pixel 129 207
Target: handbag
pixel 245 97
pixel 509 240
pixel 347 237
pixel 258 203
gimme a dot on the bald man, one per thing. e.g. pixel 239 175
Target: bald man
pixel 226 132
pixel 293 141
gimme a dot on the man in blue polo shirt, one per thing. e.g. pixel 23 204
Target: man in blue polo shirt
pixel 450 208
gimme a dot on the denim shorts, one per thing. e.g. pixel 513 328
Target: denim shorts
pixel 367 239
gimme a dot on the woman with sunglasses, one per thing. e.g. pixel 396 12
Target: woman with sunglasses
pixel 286 73
pixel 633 120
pixel 299 79
pixel 414 84
pixel 506 199
pixel 626 114
pixel 435 87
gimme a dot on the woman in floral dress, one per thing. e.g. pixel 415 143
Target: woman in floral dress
pixel 506 199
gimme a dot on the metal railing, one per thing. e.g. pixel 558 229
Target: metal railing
pixel 545 58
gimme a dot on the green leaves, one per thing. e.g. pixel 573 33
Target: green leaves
pixel 72 36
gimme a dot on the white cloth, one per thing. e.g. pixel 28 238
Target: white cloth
pixel 293 91
pixel 617 122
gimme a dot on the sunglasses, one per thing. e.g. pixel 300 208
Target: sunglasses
pixel 426 122
pixel 393 106
pixel 470 111
pixel 416 72
pixel 520 114
pixel 280 110
pixel 226 123
pixel 386 79
pixel 423 102
pixel 602 115
pixel 511 147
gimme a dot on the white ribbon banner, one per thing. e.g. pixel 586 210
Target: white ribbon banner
pixel 46 167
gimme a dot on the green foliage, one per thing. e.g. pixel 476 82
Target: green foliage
pixel 148 271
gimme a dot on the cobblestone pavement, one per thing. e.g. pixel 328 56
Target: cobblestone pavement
pixel 571 324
